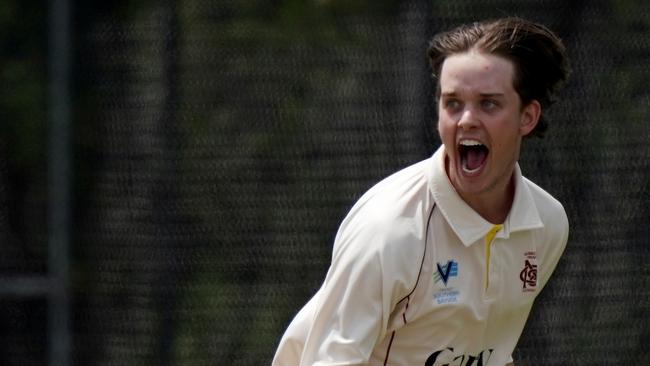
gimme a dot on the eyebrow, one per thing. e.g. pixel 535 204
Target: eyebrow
pixel 492 95
pixel 484 95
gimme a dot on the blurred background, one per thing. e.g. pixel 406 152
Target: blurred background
pixel 172 174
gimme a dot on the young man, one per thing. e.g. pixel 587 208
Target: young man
pixel 439 264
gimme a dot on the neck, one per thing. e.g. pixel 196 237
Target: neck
pixel 495 205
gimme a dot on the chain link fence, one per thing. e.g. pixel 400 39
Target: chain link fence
pixel 217 146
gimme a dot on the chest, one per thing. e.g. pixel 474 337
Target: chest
pixel 474 286
pixel 471 301
pixel 495 273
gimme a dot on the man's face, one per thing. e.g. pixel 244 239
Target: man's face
pixel 481 123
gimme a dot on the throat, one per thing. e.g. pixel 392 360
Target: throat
pixel 493 205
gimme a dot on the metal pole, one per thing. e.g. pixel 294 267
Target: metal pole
pixel 59 179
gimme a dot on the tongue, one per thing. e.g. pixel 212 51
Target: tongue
pixel 474 158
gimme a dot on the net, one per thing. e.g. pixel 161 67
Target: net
pixel 218 145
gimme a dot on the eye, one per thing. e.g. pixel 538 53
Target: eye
pixel 451 104
pixel 489 104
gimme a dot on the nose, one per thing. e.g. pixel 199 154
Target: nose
pixel 468 119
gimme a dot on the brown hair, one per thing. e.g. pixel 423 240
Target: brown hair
pixel 539 57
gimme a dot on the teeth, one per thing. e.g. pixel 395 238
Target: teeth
pixel 470 171
pixel 470 143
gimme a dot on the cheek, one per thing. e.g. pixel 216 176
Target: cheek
pixel 445 127
pixel 506 144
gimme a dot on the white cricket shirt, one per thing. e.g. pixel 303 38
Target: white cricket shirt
pixel 419 278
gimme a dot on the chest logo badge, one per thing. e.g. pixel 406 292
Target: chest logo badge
pixel 528 275
pixel 445 271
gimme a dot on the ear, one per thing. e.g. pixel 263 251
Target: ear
pixel 529 117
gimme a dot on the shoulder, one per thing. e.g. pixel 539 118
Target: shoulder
pixel 554 233
pixel 391 205
pixel 549 208
pixel 553 236
pixel 387 222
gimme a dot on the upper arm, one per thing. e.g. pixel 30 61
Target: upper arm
pixel 365 280
pixel 557 233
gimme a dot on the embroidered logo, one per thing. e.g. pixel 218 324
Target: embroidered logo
pixel 446 295
pixel 528 275
pixel 446 271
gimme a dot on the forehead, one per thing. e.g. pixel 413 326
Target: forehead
pixel 476 72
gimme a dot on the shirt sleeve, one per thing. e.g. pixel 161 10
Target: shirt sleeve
pixel 558 233
pixel 372 269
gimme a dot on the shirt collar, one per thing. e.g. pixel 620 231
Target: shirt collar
pixel 468 225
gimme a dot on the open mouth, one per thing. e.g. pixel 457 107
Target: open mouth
pixel 473 155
